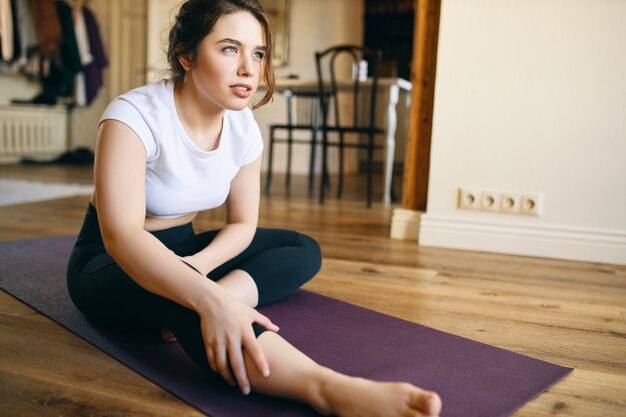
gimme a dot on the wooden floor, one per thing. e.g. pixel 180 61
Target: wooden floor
pixel 572 314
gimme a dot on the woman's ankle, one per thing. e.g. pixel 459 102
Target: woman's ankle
pixel 321 395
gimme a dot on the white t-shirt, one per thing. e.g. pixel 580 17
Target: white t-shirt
pixel 181 178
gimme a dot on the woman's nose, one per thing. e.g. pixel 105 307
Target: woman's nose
pixel 246 67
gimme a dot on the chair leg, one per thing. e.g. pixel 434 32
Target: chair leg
pixel 326 177
pixel 341 152
pixel 370 167
pixel 268 177
pixel 288 173
pixel 324 180
pixel 312 159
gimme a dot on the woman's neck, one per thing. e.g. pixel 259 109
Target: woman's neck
pixel 201 118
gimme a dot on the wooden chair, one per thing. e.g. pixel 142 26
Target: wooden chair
pixel 336 126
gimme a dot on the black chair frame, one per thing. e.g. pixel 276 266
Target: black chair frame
pixel 312 124
pixel 329 90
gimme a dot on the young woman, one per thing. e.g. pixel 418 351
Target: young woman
pixel 173 148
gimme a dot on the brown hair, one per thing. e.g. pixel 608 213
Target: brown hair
pixel 196 19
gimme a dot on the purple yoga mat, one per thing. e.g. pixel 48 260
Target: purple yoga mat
pixel 473 379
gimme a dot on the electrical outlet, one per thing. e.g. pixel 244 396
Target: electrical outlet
pixel 469 199
pixel 527 204
pixel 530 204
pixel 510 203
pixel 490 201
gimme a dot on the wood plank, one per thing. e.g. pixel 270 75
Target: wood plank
pixel 11 307
pixel 46 369
pixel 372 273
pixel 26 396
pixel 583 393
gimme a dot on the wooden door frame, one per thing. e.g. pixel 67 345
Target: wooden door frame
pixel 424 65
pixel 406 220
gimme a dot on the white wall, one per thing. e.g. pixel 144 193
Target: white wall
pixel 161 14
pixel 531 97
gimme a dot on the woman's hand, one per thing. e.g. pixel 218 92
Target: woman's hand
pixel 227 330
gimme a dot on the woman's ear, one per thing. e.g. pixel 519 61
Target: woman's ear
pixel 185 61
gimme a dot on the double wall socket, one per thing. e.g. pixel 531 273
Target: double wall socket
pixel 528 204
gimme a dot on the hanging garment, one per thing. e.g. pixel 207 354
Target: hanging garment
pixel 82 37
pixel 24 22
pixel 68 48
pixel 93 71
pixel 82 41
pixel 17 47
pixel 60 82
pixel 6 30
pixel 47 26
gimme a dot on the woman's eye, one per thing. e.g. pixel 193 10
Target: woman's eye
pixel 259 55
pixel 230 49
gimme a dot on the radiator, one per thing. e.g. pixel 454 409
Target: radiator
pixel 29 131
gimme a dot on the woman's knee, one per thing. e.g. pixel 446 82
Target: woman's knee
pixel 313 251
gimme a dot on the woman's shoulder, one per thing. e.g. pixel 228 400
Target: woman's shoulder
pixel 143 105
pixel 149 96
pixel 143 110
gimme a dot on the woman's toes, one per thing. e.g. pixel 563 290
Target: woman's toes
pixel 427 402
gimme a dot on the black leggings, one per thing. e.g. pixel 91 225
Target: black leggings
pixel 279 262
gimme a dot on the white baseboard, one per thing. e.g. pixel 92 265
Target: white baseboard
pixel 540 240
pixel 405 224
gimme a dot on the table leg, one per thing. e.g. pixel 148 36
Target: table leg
pixel 390 145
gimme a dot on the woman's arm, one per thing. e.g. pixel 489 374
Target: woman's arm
pixel 120 201
pixel 242 215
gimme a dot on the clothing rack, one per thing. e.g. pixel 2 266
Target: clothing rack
pixel 57 43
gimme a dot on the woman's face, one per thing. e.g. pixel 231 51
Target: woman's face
pixel 230 61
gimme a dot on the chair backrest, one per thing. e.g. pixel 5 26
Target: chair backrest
pixel 303 108
pixel 363 89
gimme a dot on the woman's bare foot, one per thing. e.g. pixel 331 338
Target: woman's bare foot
pixel 348 396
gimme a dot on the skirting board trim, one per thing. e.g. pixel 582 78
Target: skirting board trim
pixel 405 224
pixel 546 241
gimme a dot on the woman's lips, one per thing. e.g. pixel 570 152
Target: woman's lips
pixel 241 90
